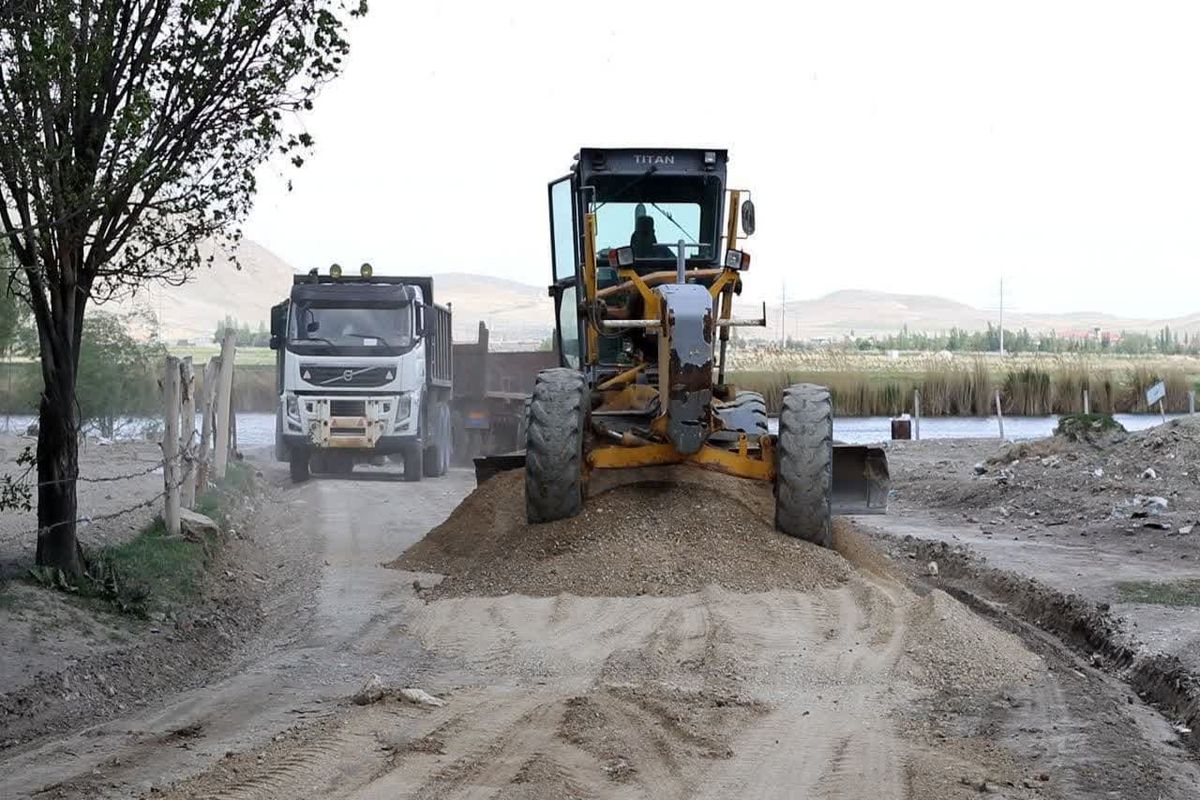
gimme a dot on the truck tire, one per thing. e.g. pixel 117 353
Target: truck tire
pixel 558 413
pixel 804 465
pixel 412 464
pixel 281 449
pixel 436 459
pixel 298 465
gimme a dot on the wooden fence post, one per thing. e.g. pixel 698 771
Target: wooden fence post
pixel 170 445
pixel 187 433
pixel 1087 403
pixel 999 414
pixel 224 391
pixel 204 456
pixel 1192 401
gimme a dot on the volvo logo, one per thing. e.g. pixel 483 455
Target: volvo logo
pixel 348 375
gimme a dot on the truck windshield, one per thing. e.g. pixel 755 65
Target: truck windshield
pixel 353 327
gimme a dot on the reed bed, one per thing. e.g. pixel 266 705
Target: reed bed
pixel 964 387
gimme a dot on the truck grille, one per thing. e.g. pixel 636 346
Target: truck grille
pixel 347 408
pixel 342 377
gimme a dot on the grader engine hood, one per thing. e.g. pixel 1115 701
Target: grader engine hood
pixel 686 348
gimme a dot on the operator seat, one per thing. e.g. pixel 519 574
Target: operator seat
pixel 645 243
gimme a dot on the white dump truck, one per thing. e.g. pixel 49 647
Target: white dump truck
pixel 363 371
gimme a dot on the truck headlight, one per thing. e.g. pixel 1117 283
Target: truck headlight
pixel 292 407
pixel 403 410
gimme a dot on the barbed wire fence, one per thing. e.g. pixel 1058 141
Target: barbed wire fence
pixel 191 458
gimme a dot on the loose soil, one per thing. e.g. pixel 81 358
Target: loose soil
pixel 700 655
pixel 651 539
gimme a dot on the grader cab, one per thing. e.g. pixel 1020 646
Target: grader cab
pixel 646 262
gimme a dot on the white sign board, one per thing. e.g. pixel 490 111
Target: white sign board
pixel 1155 393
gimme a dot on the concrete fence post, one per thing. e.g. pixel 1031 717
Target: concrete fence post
pixel 917 414
pixel 999 414
pixel 187 434
pixel 224 403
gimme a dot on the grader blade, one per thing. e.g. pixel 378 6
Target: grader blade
pixel 860 480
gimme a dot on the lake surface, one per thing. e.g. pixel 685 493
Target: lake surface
pixel 259 429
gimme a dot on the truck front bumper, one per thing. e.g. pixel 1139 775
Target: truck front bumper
pixel 350 423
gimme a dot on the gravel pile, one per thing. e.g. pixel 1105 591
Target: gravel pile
pixel 649 539
pixel 950 648
pixel 1150 478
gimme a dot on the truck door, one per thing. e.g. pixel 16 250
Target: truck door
pixel 564 250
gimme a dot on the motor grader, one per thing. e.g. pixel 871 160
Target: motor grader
pixel 646 262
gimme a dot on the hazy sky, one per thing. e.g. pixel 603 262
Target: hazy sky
pixel 911 147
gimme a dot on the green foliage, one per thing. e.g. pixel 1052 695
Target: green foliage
pixel 1085 427
pixel 16 493
pixel 154 571
pixel 956 340
pixel 117 373
pixel 244 337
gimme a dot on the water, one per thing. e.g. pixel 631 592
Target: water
pixel 256 429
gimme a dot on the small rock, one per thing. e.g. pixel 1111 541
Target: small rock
pixel 371 692
pixel 1098 472
pixel 933 569
pixel 1186 529
pixel 1148 474
pixel 195 525
pixel 1156 525
pixel 980 468
pixel 421 697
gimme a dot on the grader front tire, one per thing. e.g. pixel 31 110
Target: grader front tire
pixel 804 472
pixel 554 435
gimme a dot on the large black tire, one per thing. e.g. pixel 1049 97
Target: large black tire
pixel 281 449
pixel 558 413
pixel 412 464
pixel 436 459
pixel 804 466
pixel 752 416
pixel 298 465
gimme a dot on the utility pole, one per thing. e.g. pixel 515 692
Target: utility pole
pixel 783 314
pixel 1001 316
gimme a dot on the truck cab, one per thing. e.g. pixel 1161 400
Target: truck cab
pixel 363 370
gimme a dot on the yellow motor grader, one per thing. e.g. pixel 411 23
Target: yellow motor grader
pixel 646 262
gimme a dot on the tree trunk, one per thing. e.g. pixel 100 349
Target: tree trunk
pixel 58 467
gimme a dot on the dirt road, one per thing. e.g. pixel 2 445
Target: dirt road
pixel 863 687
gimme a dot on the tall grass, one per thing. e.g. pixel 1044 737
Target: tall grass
pixel 968 388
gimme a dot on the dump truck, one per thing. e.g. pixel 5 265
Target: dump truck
pixel 364 370
pixel 646 257
pixel 491 392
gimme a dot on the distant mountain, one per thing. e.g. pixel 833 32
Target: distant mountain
pixel 867 313
pixel 192 311
pixel 519 316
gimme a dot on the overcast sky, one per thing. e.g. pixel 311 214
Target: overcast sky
pixel 910 147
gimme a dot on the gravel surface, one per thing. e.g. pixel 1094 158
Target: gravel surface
pixel 643 540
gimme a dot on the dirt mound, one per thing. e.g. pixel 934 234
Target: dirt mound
pixel 1055 481
pixel 658 539
pixel 948 647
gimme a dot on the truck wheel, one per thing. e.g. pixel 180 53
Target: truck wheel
pixel 437 456
pixel 281 449
pixel 554 446
pixel 804 466
pixel 298 465
pixel 412 464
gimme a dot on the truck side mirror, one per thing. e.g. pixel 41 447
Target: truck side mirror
pixel 313 326
pixel 275 342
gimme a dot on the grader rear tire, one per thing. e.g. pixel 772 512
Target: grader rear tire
pixel 554 437
pixel 804 471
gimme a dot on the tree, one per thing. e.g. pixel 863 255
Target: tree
pixel 130 130
pixel 117 373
